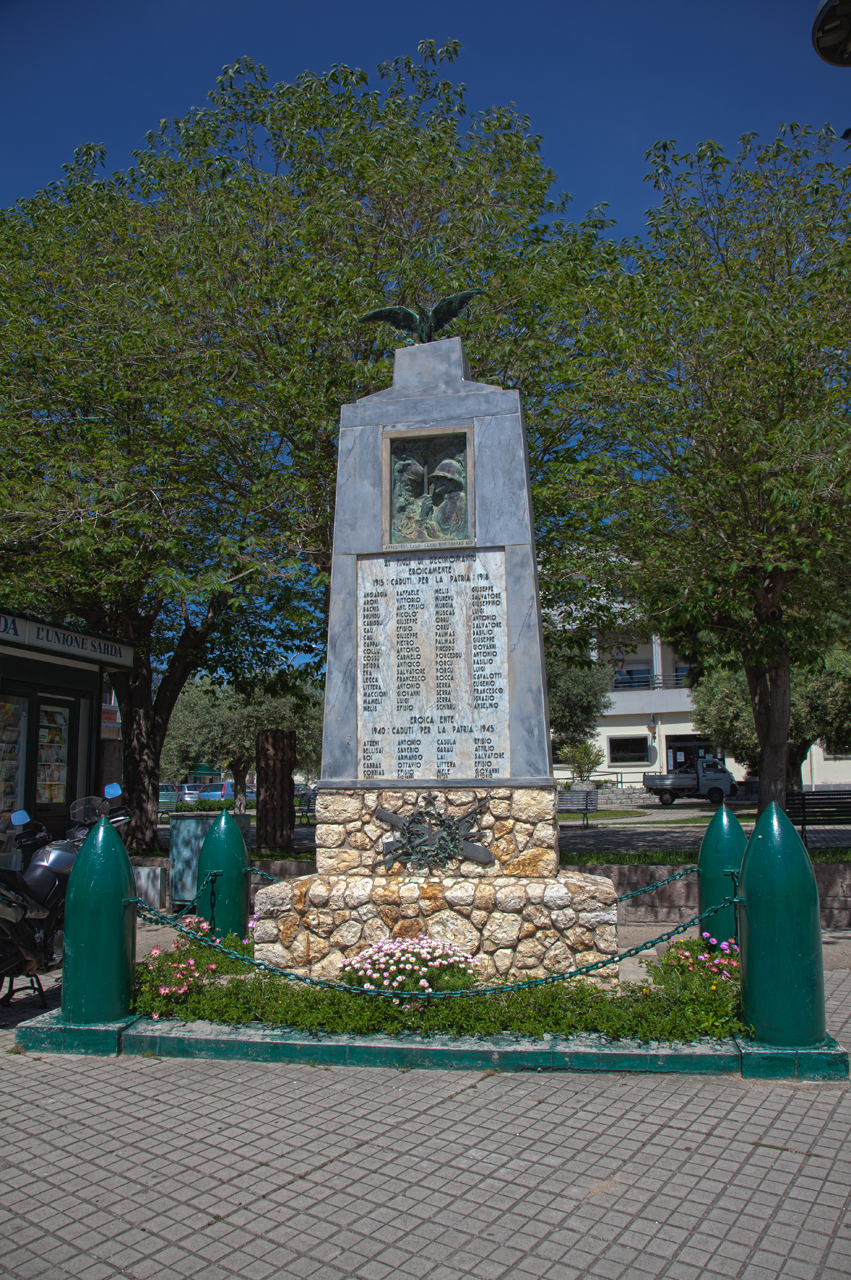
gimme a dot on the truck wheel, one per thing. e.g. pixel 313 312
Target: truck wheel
pixel 666 797
pixel 715 795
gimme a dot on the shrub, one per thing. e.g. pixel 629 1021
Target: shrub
pixel 582 757
pixel 202 806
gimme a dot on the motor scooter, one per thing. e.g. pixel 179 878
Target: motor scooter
pixel 32 901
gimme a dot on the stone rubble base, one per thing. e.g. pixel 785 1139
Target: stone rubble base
pixel 517 927
pixel 519 826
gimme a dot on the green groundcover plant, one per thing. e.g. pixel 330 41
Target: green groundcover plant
pixel 691 992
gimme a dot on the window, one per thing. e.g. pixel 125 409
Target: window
pixel 629 750
pixel 682 674
pixel 633 678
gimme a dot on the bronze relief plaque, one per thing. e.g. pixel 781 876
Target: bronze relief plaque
pixel 429 489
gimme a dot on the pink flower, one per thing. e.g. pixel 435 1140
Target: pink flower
pixel 155 951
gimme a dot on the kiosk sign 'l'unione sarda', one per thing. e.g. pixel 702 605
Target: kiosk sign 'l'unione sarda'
pixel 436 809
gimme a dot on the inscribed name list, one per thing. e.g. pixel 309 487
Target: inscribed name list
pixel 432 666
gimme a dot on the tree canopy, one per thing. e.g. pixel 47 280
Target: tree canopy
pixel 577 696
pixel 220 723
pixel 820 711
pixel 178 340
pixel 711 369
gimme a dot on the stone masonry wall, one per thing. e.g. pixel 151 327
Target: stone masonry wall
pixel 519 826
pixel 626 798
pixel 516 926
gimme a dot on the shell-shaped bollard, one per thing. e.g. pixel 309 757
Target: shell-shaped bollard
pixel 780 937
pixel 721 850
pixel 225 904
pixel 100 931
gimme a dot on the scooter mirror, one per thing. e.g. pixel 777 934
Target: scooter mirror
pixel 112 790
pixel 18 818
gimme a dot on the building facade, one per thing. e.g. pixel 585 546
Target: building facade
pixel 649 727
pixel 52 712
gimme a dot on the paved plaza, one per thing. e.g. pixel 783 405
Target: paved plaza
pixel 142 1167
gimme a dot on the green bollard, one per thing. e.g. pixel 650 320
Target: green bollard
pixel 100 931
pixel 780 937
pixel 225 902
pixel 721 851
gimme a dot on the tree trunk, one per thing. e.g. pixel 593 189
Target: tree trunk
pixel 144 719
pixel 239 768
pixel 796 755
pixel 133 690
pixel 276 750
pixel 771 699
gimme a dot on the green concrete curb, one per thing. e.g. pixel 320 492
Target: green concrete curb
pixel 825 1061
pixel 172 1039
pixel 49 1034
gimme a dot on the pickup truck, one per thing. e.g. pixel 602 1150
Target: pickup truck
pixel 708 778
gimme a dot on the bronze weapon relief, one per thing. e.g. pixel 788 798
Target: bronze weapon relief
pixel 429 839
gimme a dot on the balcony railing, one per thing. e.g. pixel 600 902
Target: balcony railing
pixel 622 682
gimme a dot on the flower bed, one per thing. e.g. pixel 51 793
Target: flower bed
pixel 685 998
pixel 415 966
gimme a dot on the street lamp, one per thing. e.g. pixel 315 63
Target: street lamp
pixel 832 32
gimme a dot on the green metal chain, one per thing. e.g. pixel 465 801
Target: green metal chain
pixel 210 879
pixel 255 871
pixel 153 916
pixel 635 893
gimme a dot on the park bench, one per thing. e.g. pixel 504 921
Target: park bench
pixel 583 802
pixel 305 808
pixel 818 809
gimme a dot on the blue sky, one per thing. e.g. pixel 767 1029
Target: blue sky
pixel 602 80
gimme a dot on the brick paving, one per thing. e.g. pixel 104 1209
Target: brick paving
pixel 168 1169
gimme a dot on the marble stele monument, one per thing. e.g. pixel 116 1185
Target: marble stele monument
pixel 435 699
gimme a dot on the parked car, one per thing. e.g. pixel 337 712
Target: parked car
pixel 188 791
pixel 169 796
pixel 224 791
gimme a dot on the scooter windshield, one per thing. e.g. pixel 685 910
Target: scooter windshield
pixel 86 809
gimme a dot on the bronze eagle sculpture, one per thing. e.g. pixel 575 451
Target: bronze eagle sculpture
pixel 421 323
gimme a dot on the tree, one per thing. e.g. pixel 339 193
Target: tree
pixel 820 710
pixel 220 723
pixel 712 367
pixel 583 758
pixel 577 696
pixel 178 341
pixel 118 512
